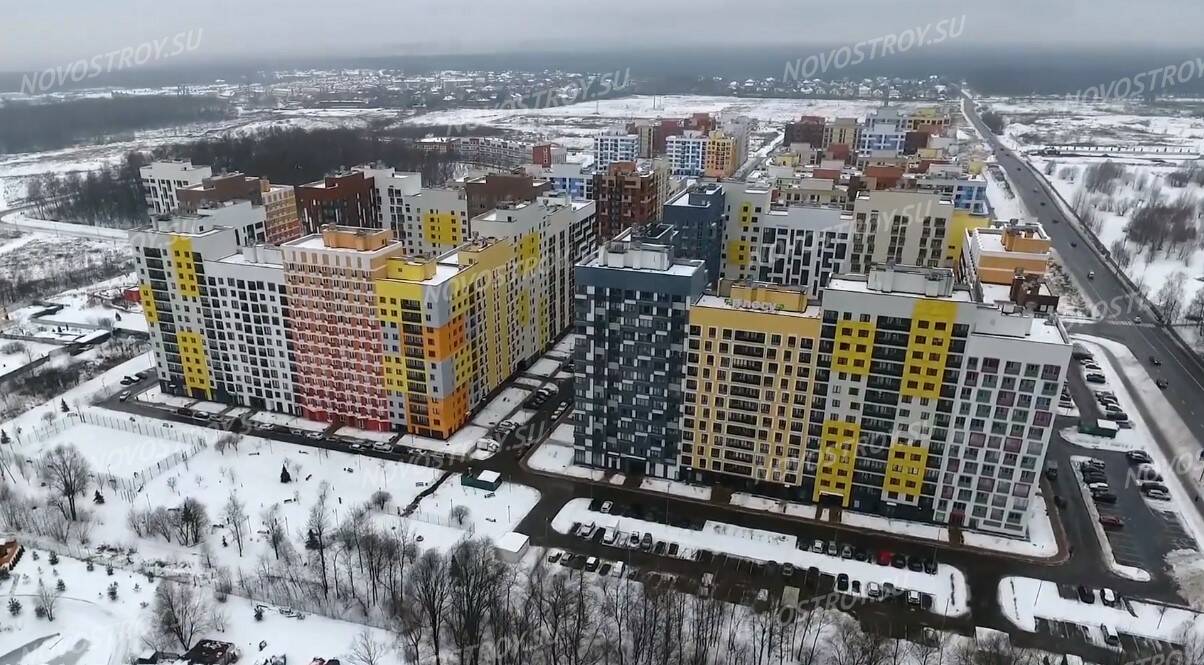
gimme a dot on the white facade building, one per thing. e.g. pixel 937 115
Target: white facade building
pixel 908 227
pixel 687 153
pixel 160 180
pixel 615 146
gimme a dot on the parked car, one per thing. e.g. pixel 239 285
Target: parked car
pixel 646 542
pixel 1158 494
pixel 846 552
pixel 633 541
pixel 591 564
pixel 884 558
pixel 610 536
pixel 1103 497
pixel 125 394
pixel 1161 383
pixel 606 506
pixel 1148 472
pixel 898 561
pixel 930 566
pixel 1139 456
pixel 842 582
pixel 832 549
pixel 673 549
pixel 860 554
pixel 1092 464
pixel 1108 597
pixel 554 556
pixel 913 598
pixel 873 590
pixel 1150 485
pixel 1096 377
pixel 1111 521
pixel 787 569
pixel 1098 487
pixel 915 564
pixel 1110 634
pixel 1086 595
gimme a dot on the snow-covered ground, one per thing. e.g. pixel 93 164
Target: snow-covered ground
pixel 947 586
pixel 500 407
pixel 489 514
pixel 91 629
pixel 1024 600
pixel 1054 120
pixel 555 455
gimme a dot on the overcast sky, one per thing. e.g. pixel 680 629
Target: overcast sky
pixel 43 34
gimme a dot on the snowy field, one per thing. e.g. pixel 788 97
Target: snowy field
pixel 120 452
pixel 947 586
pixel 91 629
pixel 489 514
pixel 1053 120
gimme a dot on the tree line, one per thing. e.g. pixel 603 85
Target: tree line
pixel 29 127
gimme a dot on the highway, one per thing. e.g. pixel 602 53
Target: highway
pixel 1114 303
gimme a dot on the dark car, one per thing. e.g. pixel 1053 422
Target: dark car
pixel 673 549
pixel 660 547
pixel 1138 456
pixel 915 564
pixel 1155 361
pixel 1153 486
pixel 1086 595
pixel 860 554
pixel 842 582
pixel 1103 497
pixel 898 561
pixel 930 566
pixel 1161 383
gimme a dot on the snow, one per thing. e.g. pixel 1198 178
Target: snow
pixel 697 492
pixel 62 230
pixel 105 384
pixel 29 353
pixel 89 628
pixel 1024 600
pixel 291 422
pixel 499 407
pixel 118 452
pixel 545 367
pixel 490 514
pixel 349 432
pixel 1041 542
pixel 1003 205
pixel 947 586
pixel 154 395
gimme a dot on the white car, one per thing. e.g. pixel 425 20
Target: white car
pixel 606 507
pixel 610 537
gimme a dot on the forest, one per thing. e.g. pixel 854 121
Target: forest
pixel 29 127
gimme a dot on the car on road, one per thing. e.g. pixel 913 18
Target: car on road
pixel 1161 383
pixel 1137 319
pixel 1139 456
pixel 1086 595
pixel 1090 274
pixel 128 380
pixel 1096 377
pixel 1073 244
pixel 1111 521
pixel 125 394
pixel 1155 361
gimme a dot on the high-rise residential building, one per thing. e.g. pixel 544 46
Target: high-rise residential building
pixel 576 179
pixel 281 222
pixel 343 199
pixel 392 188
pixel 486 192
pixel 840 132
pixel 809 129
pixel 794 246
pixel 615 145
pixel 907 227
pixel 882 136
pixel 687 153
pixel 749 379
pixel 935 405
pixel 632 305
pixel 697 215
pixel 160 180
pixel 721 155
pixel 628 194
pixel 433 221
pixel 968 192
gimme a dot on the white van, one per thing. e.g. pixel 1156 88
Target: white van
pixel 1110 635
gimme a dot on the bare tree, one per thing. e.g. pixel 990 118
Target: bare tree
pixel 380 499
pixel 46 599
pixel 274 526
pixel 190 521
pixel 429 588
pixel 367 651
pixel 235 514
pixel 475 572
pixel 181 614
pixel 317 529
pixel 459 514
pixel 66 472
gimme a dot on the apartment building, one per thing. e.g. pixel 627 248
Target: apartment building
pixel 576 179
pixel 882 136
pixel 931 404
pixel 281 221
pixel 750 369
pixel 615 145
pixel 994 255
pixel 908 227
pixel 687 153
pixel 723 154
pixel 343 199
pixel 160 180
pixel 697 214
pixel 432 221
pixel 392 188
pixel 484 193
pixel 492 150
pixel 840 131
pixel 628 194
pixel 808 129
pixel 552 235
pixel 968 192
pixel 547 154
pixel 928 119
pixel 632 303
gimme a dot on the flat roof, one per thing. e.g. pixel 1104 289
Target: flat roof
pixel 720 302
pixel 863 286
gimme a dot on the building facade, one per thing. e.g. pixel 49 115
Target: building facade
pixel 160 180
pixel 632 306
pixel 907 227
pixel 697 213
pixel 686 153
pixel 433 221
pixel 628 194
pixel 486 192
pixel 344 199
pixel 615 146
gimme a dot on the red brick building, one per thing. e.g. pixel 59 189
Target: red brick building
pixel 625 196
pixel 346 199
pixel 809 129
pixel 484 194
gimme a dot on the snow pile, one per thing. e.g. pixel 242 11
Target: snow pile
pixel 1187 569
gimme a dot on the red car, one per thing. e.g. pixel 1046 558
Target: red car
pixel 1111 522
pixel 884 558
